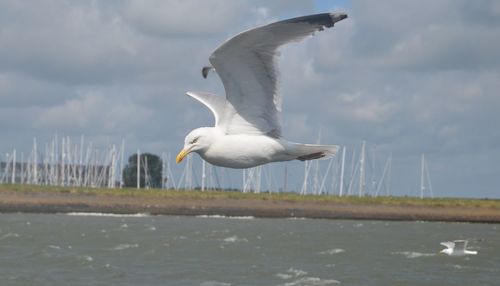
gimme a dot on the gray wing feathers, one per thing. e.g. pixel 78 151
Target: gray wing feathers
pixel 305 152
pixel 460 244
pixel 247 67
pixel 448 244
pixel 215 103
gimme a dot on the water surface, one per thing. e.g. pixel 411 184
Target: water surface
pixel 62 249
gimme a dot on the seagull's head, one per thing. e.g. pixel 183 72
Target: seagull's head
pixel 198 140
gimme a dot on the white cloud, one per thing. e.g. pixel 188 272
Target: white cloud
pixel 94 111
pixel 362 107
pixel 182 18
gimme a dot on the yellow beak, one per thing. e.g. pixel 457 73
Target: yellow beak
pixel 181 155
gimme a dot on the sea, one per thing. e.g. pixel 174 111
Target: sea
pixel 108 249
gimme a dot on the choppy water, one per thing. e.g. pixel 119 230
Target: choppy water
pixel 61 249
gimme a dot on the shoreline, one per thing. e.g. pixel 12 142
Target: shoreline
pixel 189 205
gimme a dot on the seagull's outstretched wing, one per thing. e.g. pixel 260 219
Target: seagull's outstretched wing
pixel 460 245
pixel 215 103
pixel 448 244
pixel 246 64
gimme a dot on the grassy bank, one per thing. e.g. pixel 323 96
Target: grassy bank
pixel 234 195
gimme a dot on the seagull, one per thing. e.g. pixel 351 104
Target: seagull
pixel 247 131
pixel 457 248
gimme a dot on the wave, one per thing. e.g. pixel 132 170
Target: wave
pixel 296 272
pixel 413 254
pixel 313 281
pixel 214 283
pixel 85 258
pixel 302 279
pixel 107 214
pixel 332 251
pixel 235 239
pixel 227 217
pixel 7 235
pixel 125 246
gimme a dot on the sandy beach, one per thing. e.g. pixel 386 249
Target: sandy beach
pixel 63 202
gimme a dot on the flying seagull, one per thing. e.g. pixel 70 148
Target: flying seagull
pixel 247 131
pixel 456 248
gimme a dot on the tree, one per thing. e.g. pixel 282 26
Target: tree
pixel 151 168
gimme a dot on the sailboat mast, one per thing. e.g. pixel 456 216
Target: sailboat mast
pixel 138 169
pixel 342 166
pixel 13 179
pixel 422 172
pixel 203 175
pixel 362 182
pixel 285 181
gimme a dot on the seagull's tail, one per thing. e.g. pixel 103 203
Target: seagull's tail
pixel 310 151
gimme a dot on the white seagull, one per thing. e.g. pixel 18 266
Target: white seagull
pixel 247 130
pixel 456 248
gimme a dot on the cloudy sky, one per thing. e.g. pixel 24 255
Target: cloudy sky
pixel 409 77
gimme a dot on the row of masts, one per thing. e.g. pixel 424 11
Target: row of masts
pixel 65 163
pixel 336 179
pixel 344 182
pixel 81 164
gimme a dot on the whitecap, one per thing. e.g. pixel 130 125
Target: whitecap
pixel 125 246
pixel 226 217
pixel 283 276
pixel 214 283
pixel 7 235
pixel 296 272
pixel 413 254
pixel 332 251
pixel 297 218
pixel 107 214
pixel 87 258
pixel 312 281
pixel 54 247
pixel 234 238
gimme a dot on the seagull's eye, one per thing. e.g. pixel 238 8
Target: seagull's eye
pixel 194 140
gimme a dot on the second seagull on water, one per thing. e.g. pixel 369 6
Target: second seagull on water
pixel 247 131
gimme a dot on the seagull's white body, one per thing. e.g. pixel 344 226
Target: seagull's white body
pixel 231 151
pixel 457 248
pixel 247 130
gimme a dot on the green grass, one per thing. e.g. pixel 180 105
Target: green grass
pixel 290 197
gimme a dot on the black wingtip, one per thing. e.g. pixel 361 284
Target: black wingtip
pixel 336 17
pixel 204 71
pixel 323 19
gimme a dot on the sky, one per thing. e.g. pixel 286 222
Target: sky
pixel 408 77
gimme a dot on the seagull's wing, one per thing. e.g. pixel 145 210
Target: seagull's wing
pixel 448 244
pixel 460 244
pixel 246 64
pixel 215 103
